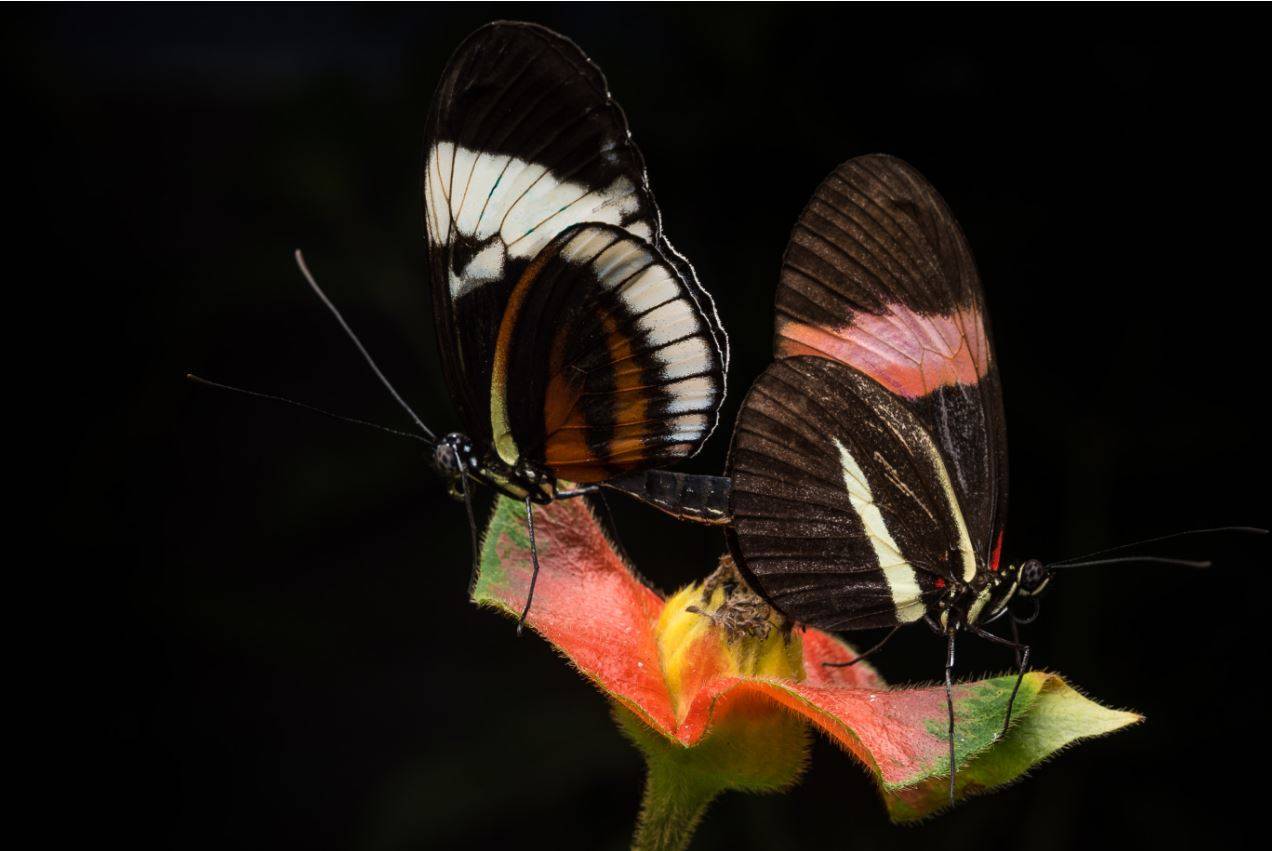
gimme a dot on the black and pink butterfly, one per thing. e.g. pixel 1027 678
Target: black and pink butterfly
pixel 869 461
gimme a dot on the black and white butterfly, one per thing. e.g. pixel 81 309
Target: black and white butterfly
pixel 577 343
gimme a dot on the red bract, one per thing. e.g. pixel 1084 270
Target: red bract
pixel 698 683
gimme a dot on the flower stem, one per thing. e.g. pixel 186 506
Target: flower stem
pixel 673 806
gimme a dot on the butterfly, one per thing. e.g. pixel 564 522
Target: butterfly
pixel 869 461
pixel 868 464
pixel 577 344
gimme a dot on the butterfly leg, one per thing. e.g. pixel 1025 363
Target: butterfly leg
pixel 949 702
pixel 861 656
pixel 1028 619
pixel 534 559
pixel 472 529
pixel 575 492
pixel 601 506
pixel 1022 665
pixel 1015 637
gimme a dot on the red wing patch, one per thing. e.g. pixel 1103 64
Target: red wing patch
pixel 998 551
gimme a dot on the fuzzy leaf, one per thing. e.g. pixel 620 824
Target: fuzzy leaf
pixel 587 601
pixel 590 605
pixel 1055 716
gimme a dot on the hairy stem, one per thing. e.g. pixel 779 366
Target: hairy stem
pixel 672 808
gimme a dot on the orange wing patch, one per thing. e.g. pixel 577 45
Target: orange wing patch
pixel 567 450
pixel 604 362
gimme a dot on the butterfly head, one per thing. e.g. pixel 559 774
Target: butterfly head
pixel 1000 589
pixel 1034 578
pixel 453 457
pixel 1024 582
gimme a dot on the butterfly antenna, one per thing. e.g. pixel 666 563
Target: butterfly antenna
pixel 472 528
pixel 216 385
pixel 313 284
pixel 1254 530
pixel 867 654
pixel 1178 562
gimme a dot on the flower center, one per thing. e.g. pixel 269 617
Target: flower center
pixel 720 628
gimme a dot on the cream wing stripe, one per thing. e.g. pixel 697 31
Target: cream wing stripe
pixel 923 442
pixel 964 540
pixel 902 582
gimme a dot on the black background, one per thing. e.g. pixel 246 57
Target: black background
pixel 276 650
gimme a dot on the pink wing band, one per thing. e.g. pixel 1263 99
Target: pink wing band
pixel 909 353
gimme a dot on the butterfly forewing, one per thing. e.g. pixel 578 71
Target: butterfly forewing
pixel 879 276
pixel 524 141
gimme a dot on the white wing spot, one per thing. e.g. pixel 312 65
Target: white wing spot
pixel 691 394
pixel 585 244
pixel 649 289
pixel 689 356
pixel 670 322
pixel 620 262
pixel 486 266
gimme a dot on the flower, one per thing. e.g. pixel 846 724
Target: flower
pixel 719 695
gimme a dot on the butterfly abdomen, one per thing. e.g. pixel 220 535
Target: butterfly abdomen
pixel 701 499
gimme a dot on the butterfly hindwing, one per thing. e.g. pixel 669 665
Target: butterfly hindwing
pixel 524 141
pixel 842 504
pixel 879 276
pixel 604 362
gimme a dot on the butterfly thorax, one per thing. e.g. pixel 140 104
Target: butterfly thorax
pixel 457 458
pixel 979 601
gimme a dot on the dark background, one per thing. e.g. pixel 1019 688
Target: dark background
pixel 260 615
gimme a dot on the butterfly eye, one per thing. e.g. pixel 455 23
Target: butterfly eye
pixel 1033 576
pixel 444 458
pixel 452 453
